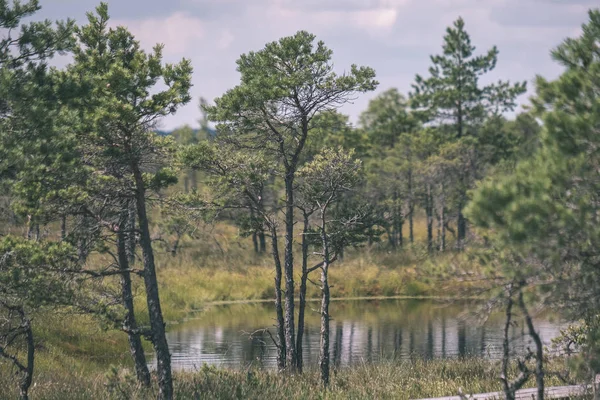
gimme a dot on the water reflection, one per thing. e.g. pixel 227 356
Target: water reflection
pixel 361 331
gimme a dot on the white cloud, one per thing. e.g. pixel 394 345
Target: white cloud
pixel 383 18
pixel 371 16
pixel 395 37
pixel 178 32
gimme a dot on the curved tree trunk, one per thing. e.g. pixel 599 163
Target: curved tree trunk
pixel 129 324
pixel 24 370
pixel 539 348
pixel 157 324
pixel 509 390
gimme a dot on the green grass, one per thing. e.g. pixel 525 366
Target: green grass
pixel 389 380
pixel 205 272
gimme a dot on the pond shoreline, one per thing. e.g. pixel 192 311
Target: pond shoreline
pixel 353 298
pixel 206 305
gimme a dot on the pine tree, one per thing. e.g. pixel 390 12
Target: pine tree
pixel 391 128
pixel 283 87
pixel 114 133
pixel 544 214
pixel 323 182
pixel 452 96
pixel 32 280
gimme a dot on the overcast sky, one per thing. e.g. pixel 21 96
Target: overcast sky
pixel 395 37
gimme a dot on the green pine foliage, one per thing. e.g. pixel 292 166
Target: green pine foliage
pixel 541 216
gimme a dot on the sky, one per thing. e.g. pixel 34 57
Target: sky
pixel 395 37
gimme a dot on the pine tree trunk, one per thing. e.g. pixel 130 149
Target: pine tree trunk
pixel 411 208
pixel 255 242
pixel 438 229
pixel 324 348
pixel 302 296
pixel 262 241
pixel 508 389
pixel 400 229
pixel 281 353
pixel 539 348
pixel 325 298
pixel 391 236
pixel 443 229
pixel 63 227
pixel 461 227
pixel 157 324
pixel 461 223
pixel 129 323
pixel 397 221
pixel 443 219
pixel 30 227
pixel 429 212
pixel 27 377
pixel 411 225
pixel 82 242
pixel 289 273
pixel 130 229
pixel 254 233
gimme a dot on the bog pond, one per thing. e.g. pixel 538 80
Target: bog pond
pixel 233 336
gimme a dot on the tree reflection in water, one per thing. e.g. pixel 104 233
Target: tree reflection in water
pixel 362 331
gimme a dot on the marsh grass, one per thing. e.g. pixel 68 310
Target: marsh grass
pixel 388 380
pixel 201 274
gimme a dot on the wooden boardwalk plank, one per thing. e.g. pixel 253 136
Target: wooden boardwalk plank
pixel 555 392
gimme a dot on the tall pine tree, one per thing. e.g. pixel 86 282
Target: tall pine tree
pixel 452 97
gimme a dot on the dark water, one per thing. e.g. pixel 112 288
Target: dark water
pixel 361 331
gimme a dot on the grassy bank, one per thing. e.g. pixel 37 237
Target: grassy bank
pixel 75 352
pixel 390 380
pixel 222 268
